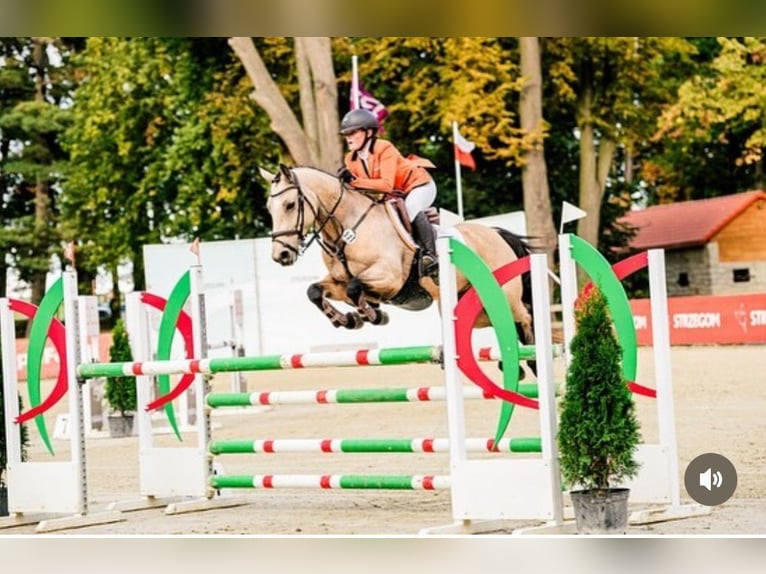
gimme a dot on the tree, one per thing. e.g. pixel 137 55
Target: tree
pixel 598 429
pixel 32 156
pixel 719 123
pixel 316 142
pixel 163 145
pixel 616 88
pixel 537 197
pixel 121 391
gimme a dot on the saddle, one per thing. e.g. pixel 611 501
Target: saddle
pixel 396 201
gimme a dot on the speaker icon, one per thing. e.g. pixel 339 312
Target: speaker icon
pixel 710 479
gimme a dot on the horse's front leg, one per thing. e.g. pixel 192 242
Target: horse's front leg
pixel 328 288
pixel 369 311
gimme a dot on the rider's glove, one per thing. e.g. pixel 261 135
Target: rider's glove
pixel 345 175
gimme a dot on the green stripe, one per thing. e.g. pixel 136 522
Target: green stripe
pixel 599 270
pixel 392 482
pixel 93 370
pixel 397 356
pixel 376 445
pixel 236 481
pixel 527 352
pixel 38 334
pixel 262 363
pixel 527 444
pixel 215 400
pixel 168 323
pixel 232 446
pixel 498 310
pixel 372 395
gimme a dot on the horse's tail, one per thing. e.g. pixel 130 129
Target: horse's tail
pixel 522 247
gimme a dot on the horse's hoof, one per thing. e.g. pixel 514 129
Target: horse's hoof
pixel 353 321
pixel 382 318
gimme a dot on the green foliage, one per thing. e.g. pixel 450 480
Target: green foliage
pixel 121 391
pixel 714 133
pixel 32 161
pixel 598 429
pixel 24 431
pixel 165 143
pixel 146 140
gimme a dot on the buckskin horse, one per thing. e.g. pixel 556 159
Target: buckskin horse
pixel 369 255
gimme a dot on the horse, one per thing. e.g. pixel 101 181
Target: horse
pixel 370 257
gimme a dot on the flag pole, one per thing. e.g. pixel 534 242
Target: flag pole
pixel 354 84
pixel 457 173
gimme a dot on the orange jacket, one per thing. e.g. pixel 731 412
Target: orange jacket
pixel 387 170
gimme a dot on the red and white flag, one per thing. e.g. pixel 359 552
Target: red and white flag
pixel 194 248
pixel 369 102
pixel 361 98
pixel 463 149
pixel 69 252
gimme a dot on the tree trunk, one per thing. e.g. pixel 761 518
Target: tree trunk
pixel 42 197
pixel 316 143
pixel 319 52
pixel 595 163
pixel 267 95
pixel 534 175
pixel 306 93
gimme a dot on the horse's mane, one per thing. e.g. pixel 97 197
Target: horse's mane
pixel 313 168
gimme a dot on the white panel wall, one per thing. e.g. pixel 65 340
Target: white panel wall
pixel 278 315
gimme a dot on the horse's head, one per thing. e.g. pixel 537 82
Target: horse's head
pixel 291 221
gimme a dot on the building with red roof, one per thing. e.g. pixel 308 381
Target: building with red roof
pixel 712 246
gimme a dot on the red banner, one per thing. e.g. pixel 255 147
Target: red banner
pixel 50 366
pixel 707 320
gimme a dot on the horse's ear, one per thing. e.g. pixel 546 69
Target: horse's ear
pixel 265 174
pixel 286 172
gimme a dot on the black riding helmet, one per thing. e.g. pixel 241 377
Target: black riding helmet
pixel 359 119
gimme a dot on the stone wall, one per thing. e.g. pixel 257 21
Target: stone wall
pixel 706 275
pixel 694 263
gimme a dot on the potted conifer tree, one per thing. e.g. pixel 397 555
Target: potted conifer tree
pixel 598 429
pixel 121 391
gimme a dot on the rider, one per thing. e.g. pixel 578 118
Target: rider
pixel 375 164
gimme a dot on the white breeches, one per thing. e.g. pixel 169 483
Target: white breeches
pixel 420 198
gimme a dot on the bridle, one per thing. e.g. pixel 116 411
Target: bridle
pixel 303 201
pixel 346 236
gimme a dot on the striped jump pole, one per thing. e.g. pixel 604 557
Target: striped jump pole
pixel 349 396
pixel 367 445
pixel 355 358
pixel 333 481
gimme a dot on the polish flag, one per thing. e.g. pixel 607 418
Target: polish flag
pixel 69 252
pixel 194 247
pixel 463 149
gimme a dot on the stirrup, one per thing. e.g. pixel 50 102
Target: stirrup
pixel 429 267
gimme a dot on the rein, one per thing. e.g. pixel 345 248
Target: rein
pixel 334 249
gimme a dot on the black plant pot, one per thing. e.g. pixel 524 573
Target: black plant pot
pixel 3 501
pixel 121 426
pixel 601 511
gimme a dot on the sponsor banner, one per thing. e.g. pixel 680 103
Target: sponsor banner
pixel 51 363
pixel 707 320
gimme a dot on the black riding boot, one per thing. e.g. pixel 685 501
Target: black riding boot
pixel 423 234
